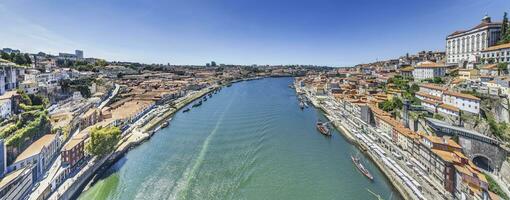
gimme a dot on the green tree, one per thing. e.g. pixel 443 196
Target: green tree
pixel 38 99
pixel 505 30
pixel 101 63
pixel 5 56
pixel 415 88
pixel 494 187
pixel 102 140
pixel 25 99
pixel 502 68
pixel 28 61
pixel 19 59
pixel 12 56
pixel 391 105
pixel 437 80
pixel 504 26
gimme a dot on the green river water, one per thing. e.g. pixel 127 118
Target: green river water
pixel 249 141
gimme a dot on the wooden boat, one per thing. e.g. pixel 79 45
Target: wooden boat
pixel 361 168
pixel 323 128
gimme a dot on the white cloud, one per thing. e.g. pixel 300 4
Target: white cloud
pixel 21 33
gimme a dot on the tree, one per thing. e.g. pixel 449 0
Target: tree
pixel 437 80
pixel 102 140
pixel 11 56
pixel 415 88
pixel 505 30
pixel 5 56
pixel 25 99
pixel 504 26
pixel 502 67
pixel 38 99
pixel 28 61
pixel 213 64
pixel 101 63
pixel 391 105
pixel 19 59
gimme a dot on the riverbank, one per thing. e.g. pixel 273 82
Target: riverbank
pixel 392 178
pixel 142 131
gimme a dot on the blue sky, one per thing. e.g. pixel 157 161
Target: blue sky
pixel 321 32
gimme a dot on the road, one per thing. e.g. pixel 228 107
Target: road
pixel 113 94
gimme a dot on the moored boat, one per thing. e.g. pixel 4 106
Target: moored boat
pixel 199 103
pixel 301 105
pixel 361 168
pixel 186 110
pixel 165 124
pixel 323 128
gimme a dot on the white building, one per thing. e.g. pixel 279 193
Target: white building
pixel 465 102
pixel 5 108
pixel 466 45
pixel 428 69
pixel 442 100
pixel 498 53
pixel 29 86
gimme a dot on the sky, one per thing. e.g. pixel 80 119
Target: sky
pixel 317 32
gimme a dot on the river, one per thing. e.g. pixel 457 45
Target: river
pixel 249 141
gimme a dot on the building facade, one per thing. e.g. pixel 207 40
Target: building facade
pixel 466 45
pixel 449 102
pixel 496 54
pixel 73 152
pixel 39 154
pixel 428 70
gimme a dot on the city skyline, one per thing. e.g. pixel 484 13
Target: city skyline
pixel 251 32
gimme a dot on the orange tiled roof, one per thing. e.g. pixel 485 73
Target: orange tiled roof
pixel 449 107
pixel 497 47
pixel 429 64
pixel 433 86
pixel 461 95
pixel 490 67
pixel 423 94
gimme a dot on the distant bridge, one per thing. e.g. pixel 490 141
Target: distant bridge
pixel 484 151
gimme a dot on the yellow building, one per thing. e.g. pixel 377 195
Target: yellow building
pixel 467 74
